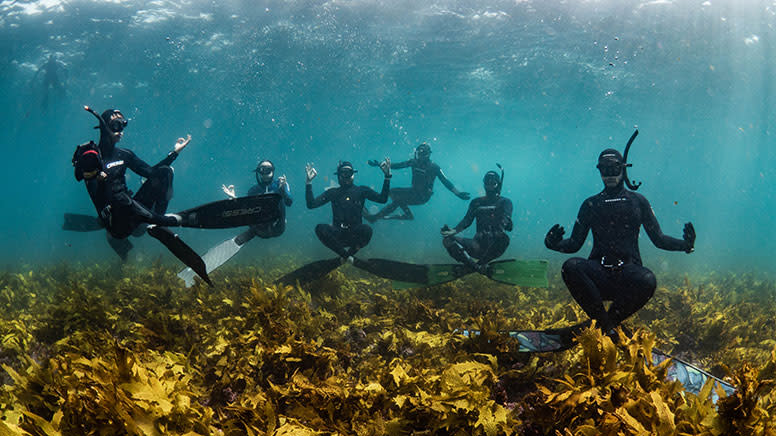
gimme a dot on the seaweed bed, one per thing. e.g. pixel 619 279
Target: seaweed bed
pixel 105 350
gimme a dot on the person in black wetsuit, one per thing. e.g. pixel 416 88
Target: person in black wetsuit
pixel 51 79
pixel 494 218
pixel 347 234
pixel 613 271
pixel 424 173
pixel 121 212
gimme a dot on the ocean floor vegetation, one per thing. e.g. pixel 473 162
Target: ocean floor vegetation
pixel 109 350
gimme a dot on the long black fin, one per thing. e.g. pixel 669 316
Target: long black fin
pixel 76 222
pixel 310 272
pixel 182 251
pixel 233 212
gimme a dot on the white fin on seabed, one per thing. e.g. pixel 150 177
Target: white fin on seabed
pixel 214 258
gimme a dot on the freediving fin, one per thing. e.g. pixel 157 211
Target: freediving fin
pixel 233 212
pixel 310 272
pixel 122 247
pixel 180 250
pixel 551 340
pixel 214 258
pixel 529 273
pixel 393 270
pixel 76 222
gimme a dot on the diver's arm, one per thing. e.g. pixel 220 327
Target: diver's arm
pixel 139 166
pixel 654 232
pixel 180 144
pixel 286 192
pixel 400 165
pixel 312 201
pixel 577 239
pixel 449 185
pixel 578 232
pixel 468 219
pixel 506 219
pixel 382 197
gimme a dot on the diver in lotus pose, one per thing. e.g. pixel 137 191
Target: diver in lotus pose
pixel 347 234
pixel 265 184
pixel 613 271
pixel 103 170
pixel 424 173
pixel 494 218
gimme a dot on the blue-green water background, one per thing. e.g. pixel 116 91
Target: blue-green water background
pixel 538 86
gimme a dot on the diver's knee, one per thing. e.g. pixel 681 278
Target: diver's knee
pixel 321 230
pixel 573 266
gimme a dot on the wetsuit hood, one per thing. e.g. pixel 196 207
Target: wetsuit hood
pixel 265 171
pixel 345 173
pixel 423 152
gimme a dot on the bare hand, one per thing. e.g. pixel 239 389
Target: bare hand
pixel 282 182
pixel 310 173
pixel 102 176
pixel 386 166
pixel 181 143
pixel 229 190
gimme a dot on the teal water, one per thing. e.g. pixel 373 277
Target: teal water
pixel 538 86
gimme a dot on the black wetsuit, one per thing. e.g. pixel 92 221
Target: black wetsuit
pixel 272 229
pixel 494 218
pixel 347 228
pixel 613 271
pixel 119 210
pixel 424 174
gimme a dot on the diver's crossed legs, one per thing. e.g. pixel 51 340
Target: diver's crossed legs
pixel 344 241
pixel 628 287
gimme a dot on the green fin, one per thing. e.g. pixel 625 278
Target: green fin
pixel 233 212
pixel 529 273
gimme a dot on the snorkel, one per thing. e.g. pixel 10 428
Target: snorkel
pixel 501 182
pixel 631 185
pixel 108 137
pixel 103 125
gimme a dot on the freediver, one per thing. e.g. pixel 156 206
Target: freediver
pixel 613 271
pixel 51 79
pixel 347 234
pixel 494 218
pixel 265 184
pixel 424 174
pixel 103 170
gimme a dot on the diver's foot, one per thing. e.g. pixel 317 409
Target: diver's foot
pixel 178 219
pixel 483 269
pixel 348 259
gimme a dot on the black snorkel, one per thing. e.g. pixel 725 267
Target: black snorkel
pixel 501 182
pixel 631 185
pixel 103 125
